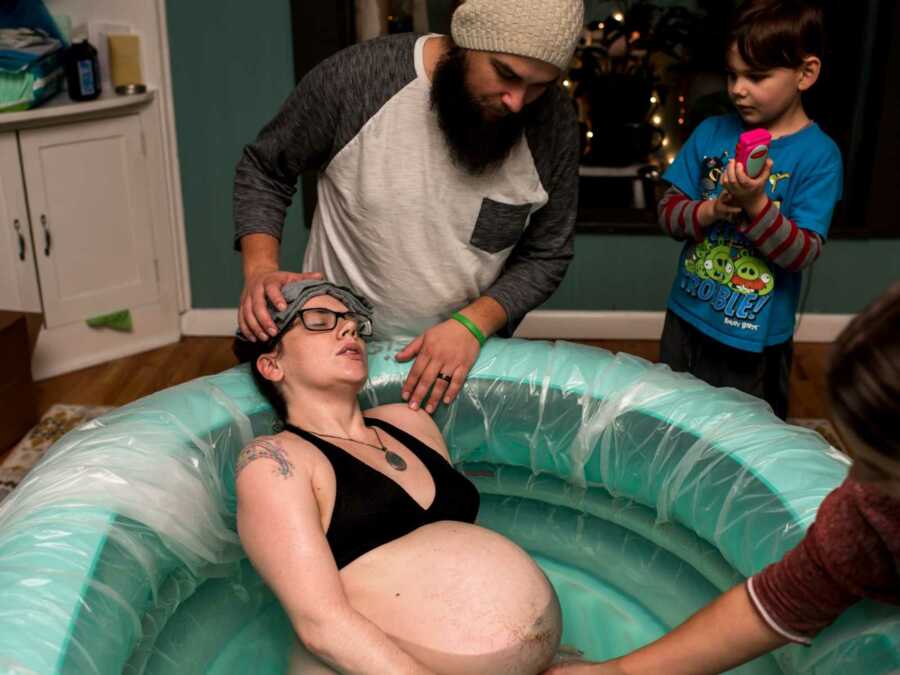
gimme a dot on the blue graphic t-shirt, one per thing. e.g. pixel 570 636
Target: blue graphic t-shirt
pixel 724 286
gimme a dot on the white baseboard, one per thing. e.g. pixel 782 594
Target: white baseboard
pixel 820 327
pixel 213 322
pixel 551 324
pixel 587 325
pixel 43 367
pixel 75 345
pixel 567 324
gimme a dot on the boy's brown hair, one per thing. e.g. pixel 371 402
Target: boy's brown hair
pixel 864 375
pixel 778 33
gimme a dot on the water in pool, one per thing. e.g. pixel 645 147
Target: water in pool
pixel 617 589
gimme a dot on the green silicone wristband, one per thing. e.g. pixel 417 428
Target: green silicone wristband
pixel 473 329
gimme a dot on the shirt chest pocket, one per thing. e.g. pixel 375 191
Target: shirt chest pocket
pixel 499 225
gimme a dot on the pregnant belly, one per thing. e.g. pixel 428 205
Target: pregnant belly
pixel 460 598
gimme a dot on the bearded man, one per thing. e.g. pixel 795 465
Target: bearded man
pixel 447 187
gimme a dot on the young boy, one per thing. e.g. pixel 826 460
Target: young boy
pixel 730 317
pixel 851 551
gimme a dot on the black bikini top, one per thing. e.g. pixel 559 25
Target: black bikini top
pixel 370 509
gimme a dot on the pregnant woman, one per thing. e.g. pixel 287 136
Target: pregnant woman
pixel 363 529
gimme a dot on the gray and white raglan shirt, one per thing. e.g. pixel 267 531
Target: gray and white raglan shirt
pixel 396 219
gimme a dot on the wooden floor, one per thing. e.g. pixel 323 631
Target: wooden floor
pixel 124 380
pixel 127 379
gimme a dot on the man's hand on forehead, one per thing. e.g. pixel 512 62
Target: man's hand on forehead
pixel 254 319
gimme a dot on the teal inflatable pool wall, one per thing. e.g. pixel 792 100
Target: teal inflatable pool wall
pixel 642 494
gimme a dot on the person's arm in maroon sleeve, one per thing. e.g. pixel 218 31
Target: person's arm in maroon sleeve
pixel 842 558
pixel 701 644
pixel 810 586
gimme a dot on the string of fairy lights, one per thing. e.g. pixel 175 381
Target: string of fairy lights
pixel 657 114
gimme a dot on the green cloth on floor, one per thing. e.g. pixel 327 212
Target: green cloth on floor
pixel 120 320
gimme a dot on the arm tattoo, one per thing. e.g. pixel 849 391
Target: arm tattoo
pixel 265 449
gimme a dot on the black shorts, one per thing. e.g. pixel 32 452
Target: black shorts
pixel 765 375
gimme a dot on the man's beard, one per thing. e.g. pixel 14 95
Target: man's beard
pixel 476 144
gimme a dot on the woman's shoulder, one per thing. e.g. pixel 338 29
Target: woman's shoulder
pixel 417 423
pixel 283 455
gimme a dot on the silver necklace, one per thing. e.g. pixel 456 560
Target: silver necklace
pixel 394 460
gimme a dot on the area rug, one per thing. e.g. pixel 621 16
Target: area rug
pixel 56 422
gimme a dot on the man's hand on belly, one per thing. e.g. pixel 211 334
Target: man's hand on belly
pixel 444 355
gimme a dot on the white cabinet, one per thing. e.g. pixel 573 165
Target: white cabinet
pixel 18 282
pixel 88 198
pixel 100 180
pixel 87 227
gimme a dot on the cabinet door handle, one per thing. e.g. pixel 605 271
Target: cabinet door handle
pixel 47 239
pixel 21 239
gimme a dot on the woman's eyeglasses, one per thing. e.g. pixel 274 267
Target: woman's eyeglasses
pixel 320 319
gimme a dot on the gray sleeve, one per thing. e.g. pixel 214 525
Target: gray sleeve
pixel 324 112
pixel 539 260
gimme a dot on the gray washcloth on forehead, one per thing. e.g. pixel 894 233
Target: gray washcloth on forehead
pixel 297 293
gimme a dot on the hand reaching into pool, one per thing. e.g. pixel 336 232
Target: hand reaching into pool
pixel 446 352
pixel 584 668
pixel 687 650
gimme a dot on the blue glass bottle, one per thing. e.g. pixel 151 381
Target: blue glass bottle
pixel 82 72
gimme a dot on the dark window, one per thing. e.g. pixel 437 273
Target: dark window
pixel 636 123
pixel 852 102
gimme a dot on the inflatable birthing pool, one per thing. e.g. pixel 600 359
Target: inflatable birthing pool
pixel 641 493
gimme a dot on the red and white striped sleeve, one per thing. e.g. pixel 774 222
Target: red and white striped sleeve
pixel 781 240
pixel 677 215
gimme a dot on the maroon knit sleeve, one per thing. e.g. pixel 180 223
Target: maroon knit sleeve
pixel 849 552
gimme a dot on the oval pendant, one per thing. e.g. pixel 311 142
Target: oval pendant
pixel 395 460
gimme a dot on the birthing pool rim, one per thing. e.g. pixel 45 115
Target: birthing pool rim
pixel 385 370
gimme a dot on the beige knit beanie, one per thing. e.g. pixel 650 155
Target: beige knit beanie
pixel 547 30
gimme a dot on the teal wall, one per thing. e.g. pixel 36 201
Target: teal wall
pixel 232 67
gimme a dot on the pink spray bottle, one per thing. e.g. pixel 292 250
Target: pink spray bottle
pixel 752 151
